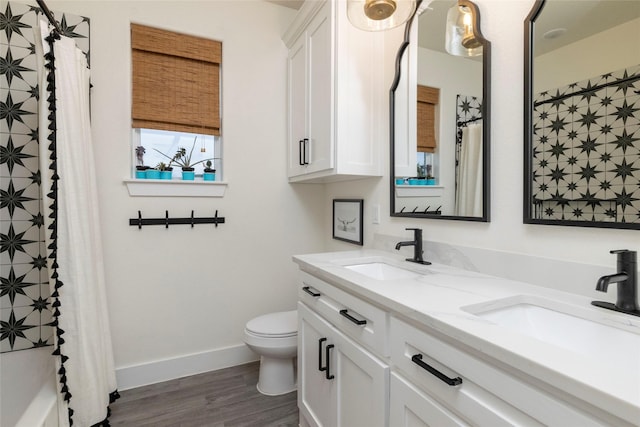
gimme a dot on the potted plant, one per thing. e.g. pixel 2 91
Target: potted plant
pixel 182 159
pixel 153 173
pixel 165 170
pixel 209 172
pixel 141 169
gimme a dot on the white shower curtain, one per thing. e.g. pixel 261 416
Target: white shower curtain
pixel 469 191
pixel 85 365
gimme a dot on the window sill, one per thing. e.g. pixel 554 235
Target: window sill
pixel 174 188
pixel 419 190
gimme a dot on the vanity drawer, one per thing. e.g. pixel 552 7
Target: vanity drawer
pixel 486 395
pixel 363 322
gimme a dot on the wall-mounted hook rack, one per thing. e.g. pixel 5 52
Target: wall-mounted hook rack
pixel 427 210
pixel 167 221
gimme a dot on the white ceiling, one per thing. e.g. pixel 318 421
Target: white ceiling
pixel 581 18
pixel 293 4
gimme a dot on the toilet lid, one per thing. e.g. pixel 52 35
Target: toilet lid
pixel 281 324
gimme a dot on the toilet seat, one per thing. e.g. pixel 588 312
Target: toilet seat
pixel 274 325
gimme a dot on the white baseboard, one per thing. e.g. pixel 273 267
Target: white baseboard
pixel 183 366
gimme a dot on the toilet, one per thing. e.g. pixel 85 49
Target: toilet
pixel 274 337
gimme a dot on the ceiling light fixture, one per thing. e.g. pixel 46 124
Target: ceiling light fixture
pixel 460 37
pixel 379 15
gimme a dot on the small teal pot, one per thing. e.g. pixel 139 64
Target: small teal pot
pixel 153 174
pixel 431 181
pixel 400 181
pixel 141 172
pixel 165 174
pixel 209 176
pixel 188 175
pixel 414 181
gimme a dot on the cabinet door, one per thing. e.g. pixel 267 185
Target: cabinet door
pixel 362 385
pixel 316 395
pixel 411 407
pixel 297 69
pixel 320 91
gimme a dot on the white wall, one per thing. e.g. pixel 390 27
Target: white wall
pixel 502 24
pixel 183 291
pixel 616 49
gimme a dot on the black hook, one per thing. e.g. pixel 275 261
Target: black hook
pixel 139 220
pixel 192 219
pixel 166 219
pixel 215 219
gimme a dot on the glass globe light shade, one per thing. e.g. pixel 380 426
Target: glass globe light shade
pixel 460 39
pixel 379 15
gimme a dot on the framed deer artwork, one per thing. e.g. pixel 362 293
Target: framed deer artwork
pixel 347 220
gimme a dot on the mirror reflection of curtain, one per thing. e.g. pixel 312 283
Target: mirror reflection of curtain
pixel 469 190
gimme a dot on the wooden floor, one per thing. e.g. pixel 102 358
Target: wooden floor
pixel 227 397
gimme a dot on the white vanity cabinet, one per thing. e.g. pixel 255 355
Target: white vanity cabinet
pixel 335 95
pixel 365 359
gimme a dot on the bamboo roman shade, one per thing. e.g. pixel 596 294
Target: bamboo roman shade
pixel 176 81
pixel 427 101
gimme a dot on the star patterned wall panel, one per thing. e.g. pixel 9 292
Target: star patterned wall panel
pixel 586 143
pixel 25 307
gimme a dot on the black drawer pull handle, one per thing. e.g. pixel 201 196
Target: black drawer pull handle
pixel 328 357
pixel 305 156
pixel 300 152
pixel 320 367
pixel 417 359
pixel 308 290
pixel 353 319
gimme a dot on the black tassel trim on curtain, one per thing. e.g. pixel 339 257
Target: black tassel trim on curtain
pixel 53 247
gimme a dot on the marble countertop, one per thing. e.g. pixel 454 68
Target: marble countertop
pixel 440 296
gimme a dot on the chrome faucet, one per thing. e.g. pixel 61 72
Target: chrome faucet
pixel 417 246
pixel 627 280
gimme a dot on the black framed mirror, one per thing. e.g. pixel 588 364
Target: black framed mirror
pixel 440 115
pixel 582 114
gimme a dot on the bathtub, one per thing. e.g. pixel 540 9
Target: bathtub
pixel 28 389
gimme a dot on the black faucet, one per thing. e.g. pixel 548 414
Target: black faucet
pixel 627 280
pixel 417 246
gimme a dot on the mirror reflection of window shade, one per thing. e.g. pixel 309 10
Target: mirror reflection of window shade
pixel 426 135
pixel 176 81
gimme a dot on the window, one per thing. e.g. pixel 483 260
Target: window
pixel 427 102
pixel 175 96
pixel 425 165
pixel 158 142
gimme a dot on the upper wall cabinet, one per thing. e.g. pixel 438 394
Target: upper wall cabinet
pixel 335 96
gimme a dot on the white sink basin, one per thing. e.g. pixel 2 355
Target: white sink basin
pixel 585 331
pixel 381 271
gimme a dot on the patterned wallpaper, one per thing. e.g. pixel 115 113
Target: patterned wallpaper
pixel 586 143
pixel 25 307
